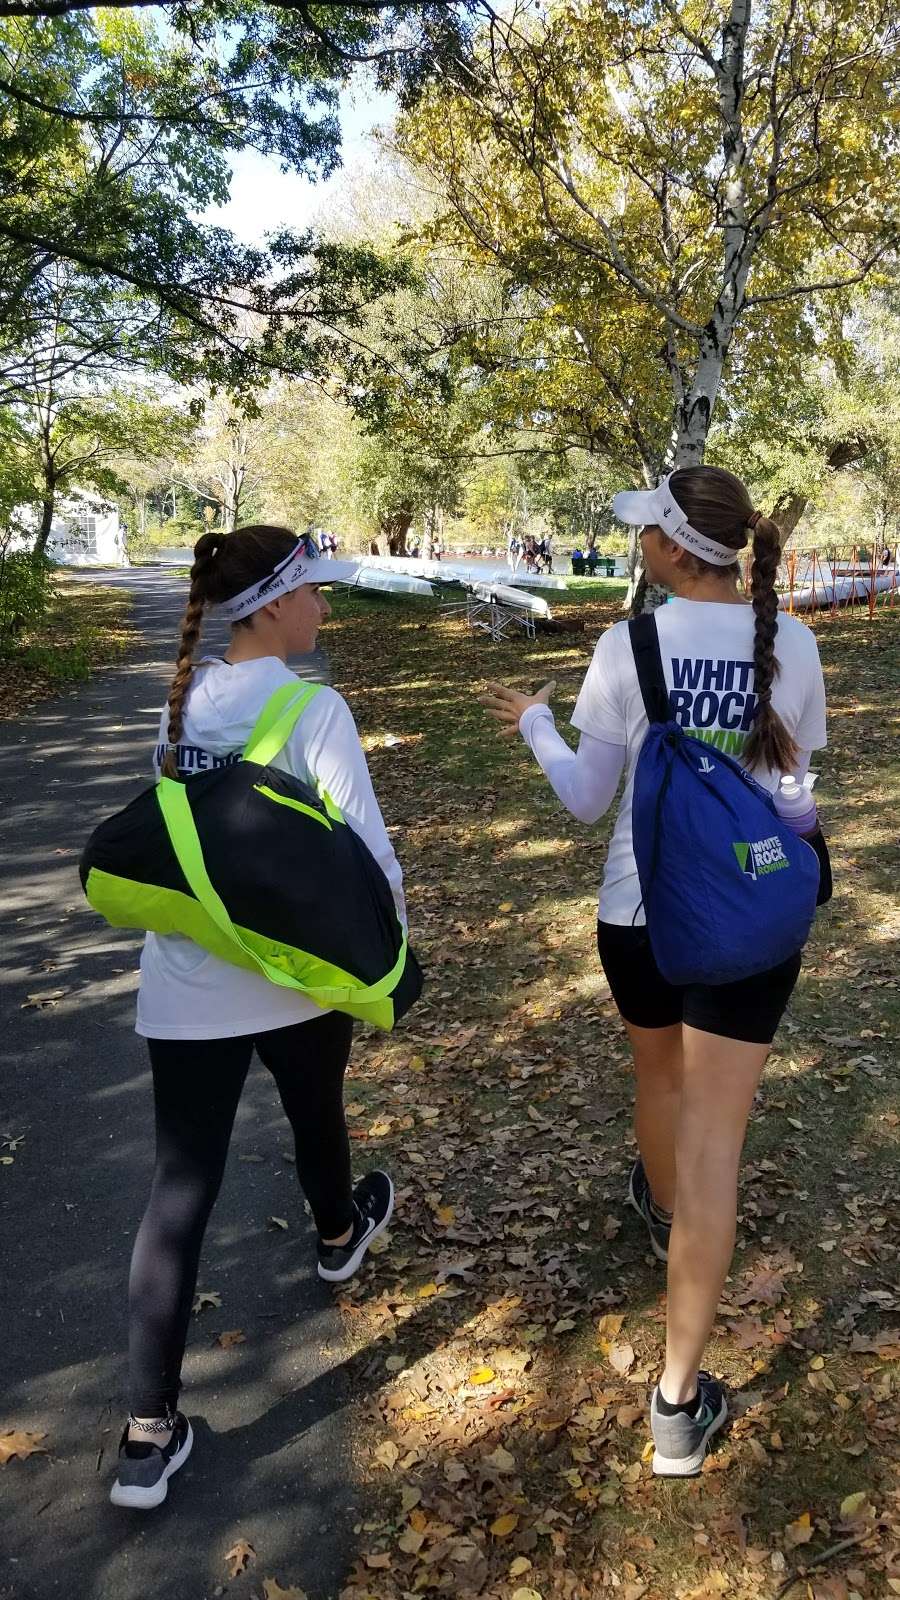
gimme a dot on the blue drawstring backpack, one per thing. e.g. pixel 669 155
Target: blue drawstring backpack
pixel 728 890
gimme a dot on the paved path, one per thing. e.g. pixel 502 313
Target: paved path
pixel 271 1460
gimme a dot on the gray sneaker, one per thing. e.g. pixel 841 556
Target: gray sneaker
pixel 639 1197
pixel 142 1479
pixel 682 1441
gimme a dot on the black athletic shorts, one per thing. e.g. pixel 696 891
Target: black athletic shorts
pixel 749 1010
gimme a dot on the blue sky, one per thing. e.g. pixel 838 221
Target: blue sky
pixel 264 198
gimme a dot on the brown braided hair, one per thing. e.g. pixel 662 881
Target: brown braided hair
pixel 718 504
pixel 224 565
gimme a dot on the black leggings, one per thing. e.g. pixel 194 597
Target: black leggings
pixel 197 1084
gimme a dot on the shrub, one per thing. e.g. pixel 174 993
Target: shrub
pixel 26 590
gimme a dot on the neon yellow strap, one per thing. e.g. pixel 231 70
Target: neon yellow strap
pixel 274 726
pixel 179 821
pixel 277 720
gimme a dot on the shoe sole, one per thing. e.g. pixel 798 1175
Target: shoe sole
pixel 341 1274
pixel 689 1466
pixel 658 1250
pixel 134 1498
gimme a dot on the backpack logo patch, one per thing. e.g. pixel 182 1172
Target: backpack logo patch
pixel 706 765
pixel 761 857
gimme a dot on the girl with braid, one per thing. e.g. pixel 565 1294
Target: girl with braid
pixel 203 1018
pixel 745 678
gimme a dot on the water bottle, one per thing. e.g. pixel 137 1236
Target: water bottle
pixel 796 807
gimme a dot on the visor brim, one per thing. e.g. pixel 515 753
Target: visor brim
pixel 324 571
pixel 635 507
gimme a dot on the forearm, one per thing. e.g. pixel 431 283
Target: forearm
pixel 585 780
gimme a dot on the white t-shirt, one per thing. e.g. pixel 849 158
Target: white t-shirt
pixel 707 657
pixel 186 993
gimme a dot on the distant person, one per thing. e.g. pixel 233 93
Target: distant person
pixel 593 561
pixel 513 552
pixel 578 563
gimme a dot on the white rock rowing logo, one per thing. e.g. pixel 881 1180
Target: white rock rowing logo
pixel 761 857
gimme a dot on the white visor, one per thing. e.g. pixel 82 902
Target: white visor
pixel 303 565
pixel 647 508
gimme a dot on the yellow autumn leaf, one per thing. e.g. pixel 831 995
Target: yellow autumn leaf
pixel 609 1325
pixel 482 1375
pixel 852 1504
pixel 527 1594
pixel 800 1531
pixel 445 1215
pixel 817 1363
pixel 503 1526
pixel 417 1063
pixel 518 1566
pixel 427 1290
pixel 21 1444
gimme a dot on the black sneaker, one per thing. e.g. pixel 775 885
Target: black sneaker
pixel 373 1203
pixel 683 1440
pixel 142 1480
pixel 640 1198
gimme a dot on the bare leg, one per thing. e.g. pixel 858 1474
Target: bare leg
pixel 720 1080
pixel 658 1076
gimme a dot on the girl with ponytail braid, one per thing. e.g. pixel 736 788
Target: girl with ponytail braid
pixel 203 1018
pixel 745 679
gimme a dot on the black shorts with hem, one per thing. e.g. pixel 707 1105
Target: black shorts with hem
pixel 749 1010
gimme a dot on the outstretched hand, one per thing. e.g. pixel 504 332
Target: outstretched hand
pixel 507 705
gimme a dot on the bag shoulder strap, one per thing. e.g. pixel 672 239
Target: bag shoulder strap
pixel 644 637
pixel 277 720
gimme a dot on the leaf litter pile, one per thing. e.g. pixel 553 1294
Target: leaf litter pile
pixel 509 1330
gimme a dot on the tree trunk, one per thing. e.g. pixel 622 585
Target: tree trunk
pixel 791 507
pixel 46 522
pixel 394 529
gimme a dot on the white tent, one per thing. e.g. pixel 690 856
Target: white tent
pixel 85 532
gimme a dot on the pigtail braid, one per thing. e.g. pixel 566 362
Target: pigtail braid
pixel 205 552
pixel 769 744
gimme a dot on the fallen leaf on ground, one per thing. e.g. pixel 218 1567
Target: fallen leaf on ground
pixel 610 1323
pixel 204 1298
pixel 238 1556
pixel 279 1222
pixel 503 1526
pixel 621 1358
pixel 21 1443
pixel 482 1375
pixel 231 1337
pixel 799 1532
pixel 37 1002
pixel 272 1590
